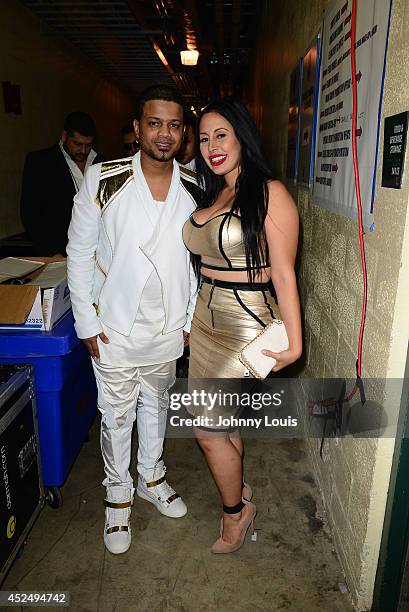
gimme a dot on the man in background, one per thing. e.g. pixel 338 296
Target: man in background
pixel 186 155
pixel 131 144
pixel 51 178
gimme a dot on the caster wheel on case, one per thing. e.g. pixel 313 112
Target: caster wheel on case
pixel 53 497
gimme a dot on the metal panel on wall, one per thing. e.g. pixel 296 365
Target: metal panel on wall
pixel 308 112
pixel 294 123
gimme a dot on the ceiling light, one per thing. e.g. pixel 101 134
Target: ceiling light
pixel 189 57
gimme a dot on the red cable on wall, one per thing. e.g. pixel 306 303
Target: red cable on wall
pixel 320 407
pixel 357 185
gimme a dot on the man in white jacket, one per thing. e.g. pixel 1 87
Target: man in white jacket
pixel 133 293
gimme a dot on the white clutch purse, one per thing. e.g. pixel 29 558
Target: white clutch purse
pixel 273 338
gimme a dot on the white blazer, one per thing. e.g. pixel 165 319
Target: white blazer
pixel 108 250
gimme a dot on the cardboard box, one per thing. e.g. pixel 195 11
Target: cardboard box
pixel 41 299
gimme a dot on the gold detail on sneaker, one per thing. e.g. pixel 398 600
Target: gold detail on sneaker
pixel 115 529
pixel 172 498
pixel 117 505
pixel 155 483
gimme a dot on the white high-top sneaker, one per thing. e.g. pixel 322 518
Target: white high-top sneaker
pixel 161 495
pixel 117 532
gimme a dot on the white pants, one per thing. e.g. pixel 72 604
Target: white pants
pixel 124 394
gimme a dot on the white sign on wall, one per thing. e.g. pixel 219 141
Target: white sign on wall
pixel 334 183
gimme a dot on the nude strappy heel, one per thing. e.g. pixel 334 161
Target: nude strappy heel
pixel 246 520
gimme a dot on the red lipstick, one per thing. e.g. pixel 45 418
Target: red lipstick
pixel 217 160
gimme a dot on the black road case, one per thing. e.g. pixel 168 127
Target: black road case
pixel 21 489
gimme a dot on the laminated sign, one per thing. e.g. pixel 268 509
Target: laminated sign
pixel 334 182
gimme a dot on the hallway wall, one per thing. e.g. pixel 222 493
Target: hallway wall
pixel 354 473
pixel 54 79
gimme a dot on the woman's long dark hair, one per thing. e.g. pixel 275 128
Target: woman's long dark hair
pixel 251 193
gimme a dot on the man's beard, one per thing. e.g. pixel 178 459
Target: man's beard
pixel 160 155
pixel 76 157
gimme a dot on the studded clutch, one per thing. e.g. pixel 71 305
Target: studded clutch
pixel 273 338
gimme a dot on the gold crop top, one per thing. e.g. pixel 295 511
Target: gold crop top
pixel 218 241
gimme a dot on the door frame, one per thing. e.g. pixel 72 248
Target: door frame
pixel 395 536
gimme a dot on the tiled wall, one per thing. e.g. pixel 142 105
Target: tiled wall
pixel 354 472
pixel 54 79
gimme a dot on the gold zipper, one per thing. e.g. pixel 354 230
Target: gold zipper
pixel 99 266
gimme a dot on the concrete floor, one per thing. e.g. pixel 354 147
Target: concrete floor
pixel 292 566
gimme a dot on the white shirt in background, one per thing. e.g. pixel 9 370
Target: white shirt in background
pixel 76 174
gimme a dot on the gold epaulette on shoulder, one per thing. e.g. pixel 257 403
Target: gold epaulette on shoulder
pixel 188 174
pixel 115 175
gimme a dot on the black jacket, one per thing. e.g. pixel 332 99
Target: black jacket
pixel 46 200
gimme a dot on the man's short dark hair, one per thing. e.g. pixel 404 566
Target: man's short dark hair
pixel 190 120
pixel 158 92
pixel 79 122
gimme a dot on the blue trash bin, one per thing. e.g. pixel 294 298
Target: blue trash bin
pixel 65 391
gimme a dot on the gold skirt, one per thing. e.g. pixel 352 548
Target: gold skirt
pixel 227 317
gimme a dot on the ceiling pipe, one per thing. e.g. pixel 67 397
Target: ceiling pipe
pixel 141 18
pixel 179 19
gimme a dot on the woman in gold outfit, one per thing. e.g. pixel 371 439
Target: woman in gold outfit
pixel 243 239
